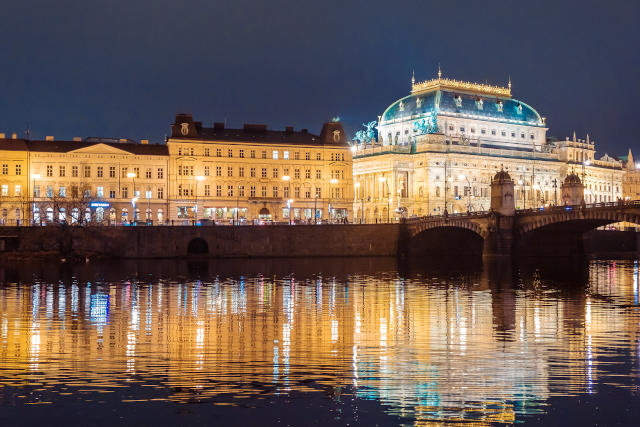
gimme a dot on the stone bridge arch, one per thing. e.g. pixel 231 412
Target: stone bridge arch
pixel 445 236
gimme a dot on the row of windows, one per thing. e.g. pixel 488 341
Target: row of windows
pixel 100 172
pixel 494 132
pixel 100 192
pixel 264 172
pixel 5 169
pixel 252 191
pixel 275 154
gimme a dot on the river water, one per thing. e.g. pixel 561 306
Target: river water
pixel 319 342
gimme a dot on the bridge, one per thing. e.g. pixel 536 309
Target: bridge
pixel 554 230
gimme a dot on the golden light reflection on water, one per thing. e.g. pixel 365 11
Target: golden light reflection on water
pixel 431 347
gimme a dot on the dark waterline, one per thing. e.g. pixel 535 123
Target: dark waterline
pixel 319 341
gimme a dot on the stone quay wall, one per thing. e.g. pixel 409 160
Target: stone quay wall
pixel 221 241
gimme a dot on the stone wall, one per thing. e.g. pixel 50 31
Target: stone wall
pixel 222 241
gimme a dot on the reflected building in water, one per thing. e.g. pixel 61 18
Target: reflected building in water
pixel 470 347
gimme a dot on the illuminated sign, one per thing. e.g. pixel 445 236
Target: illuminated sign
pixel 99 205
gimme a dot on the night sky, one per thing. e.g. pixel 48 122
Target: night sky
pixel 123 68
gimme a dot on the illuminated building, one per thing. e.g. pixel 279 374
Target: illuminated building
pixel 254 173
pixel 14 175
pixel 439 147
pixel 97 180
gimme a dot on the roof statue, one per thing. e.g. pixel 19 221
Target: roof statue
pixel 367 135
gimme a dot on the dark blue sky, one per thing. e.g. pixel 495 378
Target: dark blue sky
pixel 123 68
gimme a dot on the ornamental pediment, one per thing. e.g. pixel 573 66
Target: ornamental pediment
pixel 99 149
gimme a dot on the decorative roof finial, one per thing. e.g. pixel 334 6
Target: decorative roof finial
pixel 413 77
pixel 509 82
pixel 574 136
pixel 587 138
pixel 439 72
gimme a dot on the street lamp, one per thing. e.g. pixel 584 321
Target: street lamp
pixel 464 178
pixel 331 181
pixel 585 163
pixel 34 176
pixel 198 179
pixel 289 208
pixel 287 178
pixel 384 180
pixel 357 186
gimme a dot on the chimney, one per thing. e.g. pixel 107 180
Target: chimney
pixel 123 139
pixel 3 135
pixel 288 129
pixel 218 125
pixel 48 138
pixel 77 139
pixel 144 141
pixel 14 136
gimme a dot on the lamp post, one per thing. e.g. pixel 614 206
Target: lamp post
pixel 584 183
pixel 384 180
pixel 198 179
pixel 464 178
pixel 289 202
pixel 555 191
pixel 315 210
pixel 132 175
pixel 331 181
pixel 357 186
pixel 33 206
pixel 286 179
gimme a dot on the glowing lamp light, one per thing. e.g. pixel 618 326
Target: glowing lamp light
pixel 357 185
pixel 35 176
pixel 200 178
pixel 286 177
pixel 354 148
pixel 333 181
pixel 587 162
pixel 461 177
pixel 382 179
pixel 131 175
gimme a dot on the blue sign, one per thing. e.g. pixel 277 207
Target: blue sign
pixel 99 205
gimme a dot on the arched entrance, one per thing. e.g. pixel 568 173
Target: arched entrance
pixel 197 246
pixel 264 214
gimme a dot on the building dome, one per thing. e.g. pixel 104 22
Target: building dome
pixel 450 102
pixel 502 177
pixel 572 179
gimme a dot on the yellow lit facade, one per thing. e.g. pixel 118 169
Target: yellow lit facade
pixel 14 170
pixel 254 174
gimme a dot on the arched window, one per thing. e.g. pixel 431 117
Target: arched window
pixel 75 215
pixel 160 216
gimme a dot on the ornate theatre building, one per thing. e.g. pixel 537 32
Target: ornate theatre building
pixel 438 148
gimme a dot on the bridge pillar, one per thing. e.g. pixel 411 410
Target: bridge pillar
pixel 499 238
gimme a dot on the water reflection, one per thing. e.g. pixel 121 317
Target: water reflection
pixel 491 344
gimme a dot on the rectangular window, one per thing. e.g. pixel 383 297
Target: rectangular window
pixel 5 169
pixel 307 156
pixel 36 191
pixel 125 192
pixel 62 191
pixel 218 170
pixel 74 191
pixel 100 192
pixel 318 156
pixel 285 155
pixel 207 190
pixel 253 172
pixel 296 192
pixel 229 190
pixel 148 194
pixel 253 154
pixel 218 152
pixel 296 155
pixel 275 172
pixel 241 191
pixel 307 194
pixel 18 169
pixel 100 171
pixel 219 190
pixel 207 152
pixel 264 172
pixel 230 152
pixel 264 154
pixel 147 173
pixel 307 173
pixel 241 153
pixel 112 171
pixel 17 190
pixel 296 173
pixel 319 192
pixel 112 194
pixel 275 154
pixel 206 171
pixel 87 171
pixel 252 191
pixel 264 191
pixel 49 170
pixel 124 172
pixel 49 190
pixel 241 172
pixel 160 173
pixel 160 192
pixel 275 191
pixel 62 171
pixel 74 171
pixel 137 172
pixel 285 190
pixel 318 174
pixel 229 171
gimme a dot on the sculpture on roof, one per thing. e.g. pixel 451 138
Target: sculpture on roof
pixel 426 125
pixel 368 135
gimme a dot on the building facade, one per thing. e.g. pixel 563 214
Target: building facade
pixel 97 181
pixel 438 148
pixel 14 161
pixel 254 174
